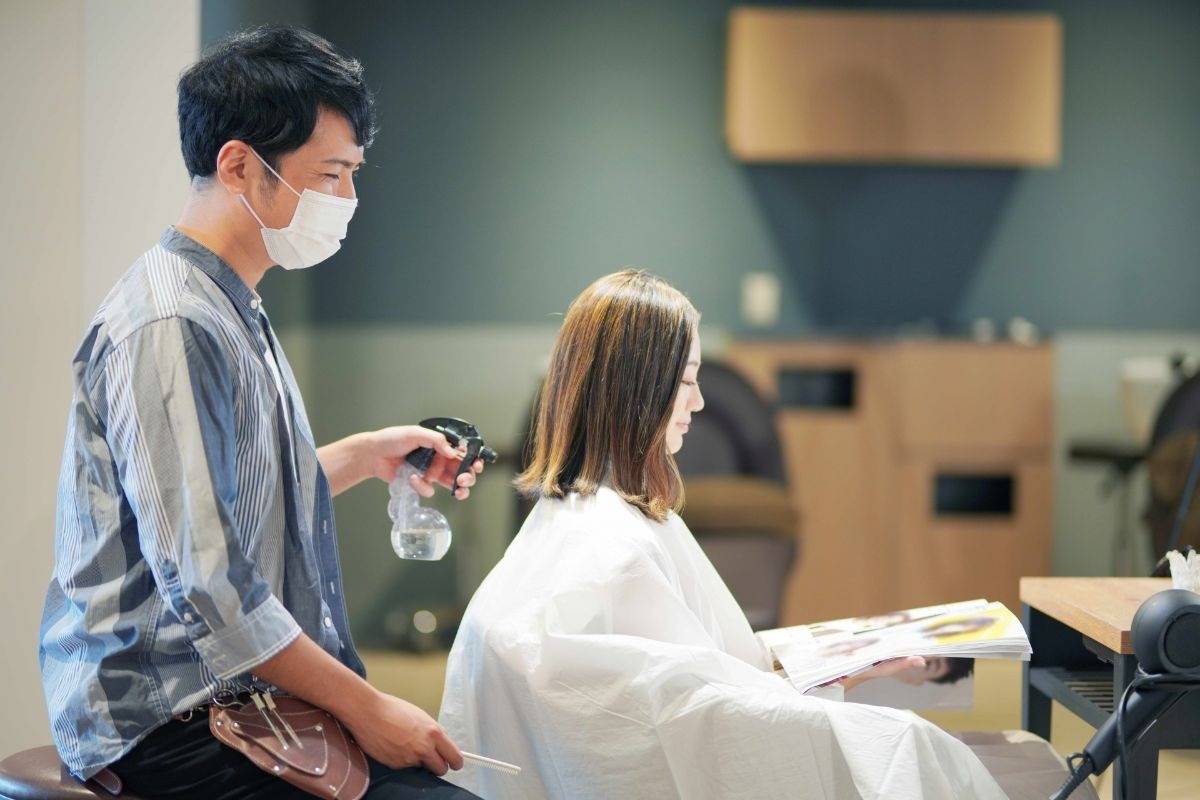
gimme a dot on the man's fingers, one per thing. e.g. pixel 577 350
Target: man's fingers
pixel 434 762
pixel 422 486
pixel 435 440
pixel 466 480
pixel 448 750
pixel 444 471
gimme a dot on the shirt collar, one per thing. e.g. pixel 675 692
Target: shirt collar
pixel 245 299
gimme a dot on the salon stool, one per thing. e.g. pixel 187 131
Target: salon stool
pixel 39 774
pixel 1024 764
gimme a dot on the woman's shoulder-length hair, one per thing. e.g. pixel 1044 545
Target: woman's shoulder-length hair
pixel 604 407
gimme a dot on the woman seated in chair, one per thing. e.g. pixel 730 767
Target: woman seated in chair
pixel 604 654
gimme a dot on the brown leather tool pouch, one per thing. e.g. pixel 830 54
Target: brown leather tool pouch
pixel 298 742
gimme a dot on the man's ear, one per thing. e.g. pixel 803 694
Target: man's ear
pixel 233 166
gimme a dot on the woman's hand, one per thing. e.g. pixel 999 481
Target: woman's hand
pixel 884 669
pixel 389 446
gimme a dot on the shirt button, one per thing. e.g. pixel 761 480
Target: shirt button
pixel 254 303
pixel 328 622
pixel 187 617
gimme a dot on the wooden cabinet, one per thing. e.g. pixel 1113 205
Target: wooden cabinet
pixel 921 470
pixel 959 395
pixel 947 555
pixel 895 86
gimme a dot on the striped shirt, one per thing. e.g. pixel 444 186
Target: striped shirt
pixel 195 534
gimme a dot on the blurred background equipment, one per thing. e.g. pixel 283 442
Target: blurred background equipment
pixel 1145 383
pixel 1160 397
pixel 1166 639
pixel 1173 467
pixel 760 299
pixel 737 501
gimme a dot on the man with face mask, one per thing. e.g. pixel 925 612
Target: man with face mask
pixel 196 559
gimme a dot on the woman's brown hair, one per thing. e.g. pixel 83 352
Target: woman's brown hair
pixel 603 410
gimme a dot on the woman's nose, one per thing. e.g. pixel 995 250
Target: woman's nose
pixel 698 400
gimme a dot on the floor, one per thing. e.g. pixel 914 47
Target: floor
pixel 418 679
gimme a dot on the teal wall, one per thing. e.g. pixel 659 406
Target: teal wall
pixel 527 147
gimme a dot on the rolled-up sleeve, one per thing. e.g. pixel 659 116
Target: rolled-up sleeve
pixel 171 396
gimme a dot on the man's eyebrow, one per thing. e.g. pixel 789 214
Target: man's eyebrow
pixel 341 162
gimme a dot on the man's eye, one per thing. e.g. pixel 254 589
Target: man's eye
pixel 332 176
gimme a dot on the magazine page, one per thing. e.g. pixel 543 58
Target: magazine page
pixel 812 655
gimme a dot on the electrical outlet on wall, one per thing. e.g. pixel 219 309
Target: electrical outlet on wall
pixel 760 299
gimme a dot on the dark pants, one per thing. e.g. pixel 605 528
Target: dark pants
pixel 183 760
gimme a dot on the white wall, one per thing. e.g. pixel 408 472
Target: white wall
pixel 134 181
pixel 41 92
pixel 93 175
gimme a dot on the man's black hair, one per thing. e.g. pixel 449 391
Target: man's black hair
pixel 265 87
pixel 956 670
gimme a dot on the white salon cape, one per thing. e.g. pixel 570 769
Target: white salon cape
pixel 606 657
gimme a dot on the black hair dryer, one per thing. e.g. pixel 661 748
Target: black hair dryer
pixel 421 533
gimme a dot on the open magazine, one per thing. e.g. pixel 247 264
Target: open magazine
pixel 823 652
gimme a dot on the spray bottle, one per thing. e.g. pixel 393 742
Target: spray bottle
pixel 418 532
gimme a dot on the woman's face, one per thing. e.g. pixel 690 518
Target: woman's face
pixel 687 400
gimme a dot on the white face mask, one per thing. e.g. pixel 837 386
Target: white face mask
pixel 315 232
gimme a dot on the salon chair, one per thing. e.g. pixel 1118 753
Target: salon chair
pixel 736 496
pixel 1172 514
pixel 1172 461
pixel 38 774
